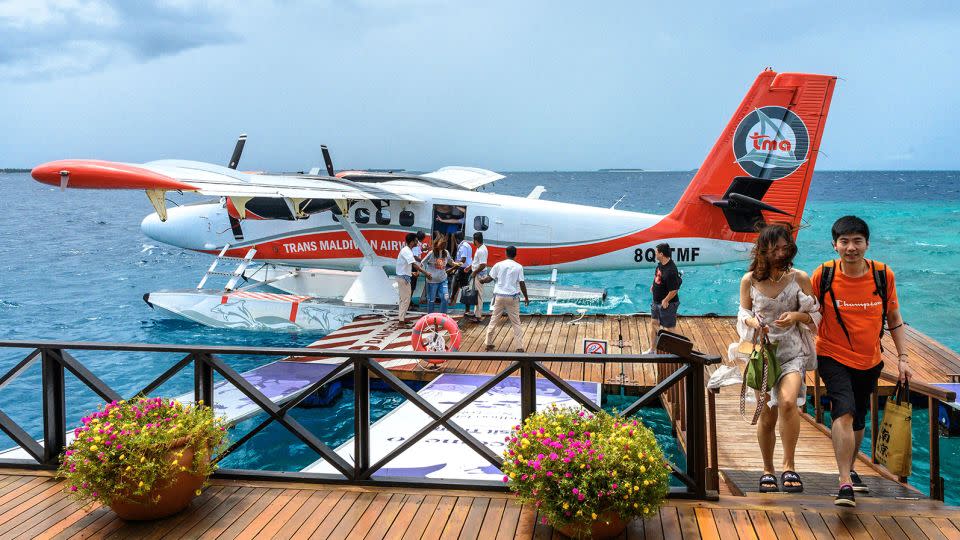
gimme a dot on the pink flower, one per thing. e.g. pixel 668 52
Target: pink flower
pixel 553 456
pixel 73 488
pixel 575 491
pixel 614 486
pixel 549 473
pixel 580 497
pixel 506 478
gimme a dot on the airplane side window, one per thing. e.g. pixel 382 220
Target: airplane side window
pixel 406 218
pixel 361 215
pixel 481 223
pixel 383 216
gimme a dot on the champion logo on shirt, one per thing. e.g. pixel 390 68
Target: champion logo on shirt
pixel 863 306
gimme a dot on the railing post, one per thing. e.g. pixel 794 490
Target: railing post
pixel 361 417
pixel 874 424
pixel 54 407
pixel 528 389
pixel 714 482
pixel 202 380
pixel 936 481
pixel 696 431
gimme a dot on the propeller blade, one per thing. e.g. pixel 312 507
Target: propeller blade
pixel 237 151
pixel 327 160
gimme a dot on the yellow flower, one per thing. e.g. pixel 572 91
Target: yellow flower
pixel 197 493
pixel 652 460
pixel 143 459
pixel 583 466
pixel 593 515
pixel 643 468
pixel 140 484
pixel 637 488
pixel 579 512
pixel 96 439
pixel 566 506
pixel 646 482
pixel 525 443
pixel 123 456
pixel 636 505
pixel 128 468
pixel 93 448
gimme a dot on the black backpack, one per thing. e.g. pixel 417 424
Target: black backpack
pixel 879 271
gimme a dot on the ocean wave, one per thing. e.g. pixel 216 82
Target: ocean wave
pixel 8 304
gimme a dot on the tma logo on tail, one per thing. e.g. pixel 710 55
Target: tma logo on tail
pixel 771 142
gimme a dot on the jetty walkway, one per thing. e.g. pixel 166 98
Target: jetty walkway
pixel 288 505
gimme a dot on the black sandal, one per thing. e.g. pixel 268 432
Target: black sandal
pixel 768 484
pixel 790 476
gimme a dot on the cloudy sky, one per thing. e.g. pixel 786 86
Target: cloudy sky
pixel 506 85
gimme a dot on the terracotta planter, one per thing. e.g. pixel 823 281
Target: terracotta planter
pixel 596 529
pixel 174 495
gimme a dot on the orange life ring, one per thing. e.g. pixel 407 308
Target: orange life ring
pixel 428 329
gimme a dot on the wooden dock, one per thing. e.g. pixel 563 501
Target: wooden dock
pixel 738 454
pixel 34 505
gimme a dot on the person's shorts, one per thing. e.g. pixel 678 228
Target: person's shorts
pixel 848 389
pixel 666 317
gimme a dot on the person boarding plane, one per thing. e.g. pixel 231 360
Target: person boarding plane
pixel 759 170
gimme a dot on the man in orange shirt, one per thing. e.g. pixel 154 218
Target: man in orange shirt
pixel 856 297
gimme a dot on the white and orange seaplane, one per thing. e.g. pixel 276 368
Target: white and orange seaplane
pixel 327 240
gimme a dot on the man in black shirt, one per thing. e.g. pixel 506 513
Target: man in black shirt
pixel 666 283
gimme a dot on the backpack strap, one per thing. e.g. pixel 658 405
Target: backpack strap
pixel 827 273
pixel 879 271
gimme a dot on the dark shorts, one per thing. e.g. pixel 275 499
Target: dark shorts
pixel 848 389
pixel 666 317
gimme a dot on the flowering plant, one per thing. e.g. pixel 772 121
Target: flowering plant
pixel 127 448
pixel 576 467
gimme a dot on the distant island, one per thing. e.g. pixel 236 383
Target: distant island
pixel 13 170
pixel 619 170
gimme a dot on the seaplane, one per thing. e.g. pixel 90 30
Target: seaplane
pixel 328 240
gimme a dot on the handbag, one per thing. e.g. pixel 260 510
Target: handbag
pixel 894 445
pixel 762 368
pixel 468 296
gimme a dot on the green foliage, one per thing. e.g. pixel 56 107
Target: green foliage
pixel 127 448
pixel 575 467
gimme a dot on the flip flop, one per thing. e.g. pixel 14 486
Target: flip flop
pixel 790 476
pixel 768 484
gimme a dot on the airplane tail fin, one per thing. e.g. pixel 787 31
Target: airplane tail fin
pixel 760 168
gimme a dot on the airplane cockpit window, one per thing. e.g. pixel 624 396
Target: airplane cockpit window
pixel 481 223
pixel 406 218
pixel 383 216
pixel 361 215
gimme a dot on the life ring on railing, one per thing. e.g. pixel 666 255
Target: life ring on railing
pixel 436 332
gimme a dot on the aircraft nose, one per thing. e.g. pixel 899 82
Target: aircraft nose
pixel 152 227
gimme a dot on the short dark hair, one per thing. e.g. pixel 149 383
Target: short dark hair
pixel 664 249
pixel 421 235
pixel 411 237
pixel 478 237
pixel 850 225
pixel 511 252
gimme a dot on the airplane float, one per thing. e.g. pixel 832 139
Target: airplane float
pixel 328 239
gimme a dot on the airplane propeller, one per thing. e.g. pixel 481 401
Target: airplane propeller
pixel 237 151
pixel 326 159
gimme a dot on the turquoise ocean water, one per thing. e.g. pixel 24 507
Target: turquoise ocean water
pixel 74 266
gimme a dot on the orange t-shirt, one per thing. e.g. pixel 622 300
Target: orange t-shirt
pixel 860 308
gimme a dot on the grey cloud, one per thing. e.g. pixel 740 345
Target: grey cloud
pixel 64 41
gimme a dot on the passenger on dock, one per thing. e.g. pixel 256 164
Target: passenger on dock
pixel 666 285
pixel 461 276
pixel 857 297
pixel 777 301
pixel 436 263
pixel 479 268
pixel 506 296
pixel 406 262
pixel 418 256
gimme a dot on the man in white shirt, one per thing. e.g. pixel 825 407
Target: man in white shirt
pixel 462 276
pixel 506 297
pixel 406 262
pixel 479 269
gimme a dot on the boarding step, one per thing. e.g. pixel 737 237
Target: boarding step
pixel 235 275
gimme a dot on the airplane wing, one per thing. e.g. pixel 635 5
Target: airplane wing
pixel 158 177
pixel 466 177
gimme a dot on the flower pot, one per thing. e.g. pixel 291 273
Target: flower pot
pixel 174 495
pixel 596 529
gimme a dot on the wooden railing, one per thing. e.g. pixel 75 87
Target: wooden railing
pixel 56 361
